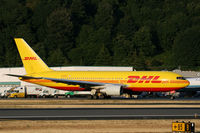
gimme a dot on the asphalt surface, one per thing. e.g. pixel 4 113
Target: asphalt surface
pixel 100 113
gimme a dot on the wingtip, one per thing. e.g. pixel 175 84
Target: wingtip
pixel 13 75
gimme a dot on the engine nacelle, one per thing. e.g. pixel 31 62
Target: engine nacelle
pixel 112 90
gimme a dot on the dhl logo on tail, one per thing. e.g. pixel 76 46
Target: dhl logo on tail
pixel 30 58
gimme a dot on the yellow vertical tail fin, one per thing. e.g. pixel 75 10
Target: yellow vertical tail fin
pixel 31 61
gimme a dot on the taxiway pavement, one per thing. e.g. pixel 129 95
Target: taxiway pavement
pixel 99 113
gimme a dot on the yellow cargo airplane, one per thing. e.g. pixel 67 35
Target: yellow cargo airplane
pixel 108 83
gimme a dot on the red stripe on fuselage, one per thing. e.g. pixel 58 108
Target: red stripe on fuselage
pixel 67 88
pixel 139 89
pixel 152 89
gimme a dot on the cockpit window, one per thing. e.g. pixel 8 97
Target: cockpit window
pixel 180 78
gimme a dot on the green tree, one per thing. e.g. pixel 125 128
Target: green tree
pixel 122 50
pixel 103 58
pixel 143 41
pixel 59 28
pixel 78 14
pixel 41 11
pixel 143 34
pixel 57 58
pixel 127 27
pixel 85 50
pixel 24 31
pixel 186 49
pixel 104 16
pixel 170 28
pixel 76 56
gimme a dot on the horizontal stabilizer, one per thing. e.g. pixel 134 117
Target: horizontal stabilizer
pixel 24 77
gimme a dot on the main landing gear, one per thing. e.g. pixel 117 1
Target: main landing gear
pixel 99 96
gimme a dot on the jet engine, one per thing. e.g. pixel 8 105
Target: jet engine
pixel 112 90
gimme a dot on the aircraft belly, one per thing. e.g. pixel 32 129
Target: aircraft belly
pixel 152 89
pixel 60 86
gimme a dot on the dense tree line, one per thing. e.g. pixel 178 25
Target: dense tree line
pixel 145 34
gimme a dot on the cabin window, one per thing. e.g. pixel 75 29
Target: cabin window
pixel 180 78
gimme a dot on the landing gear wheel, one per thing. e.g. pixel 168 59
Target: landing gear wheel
pixel 68 96
pixel 130 96
pixel 95 97
pixel 172 97
pixel 90 97
pixel 107 97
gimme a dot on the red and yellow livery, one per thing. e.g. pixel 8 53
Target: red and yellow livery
pixel 106 81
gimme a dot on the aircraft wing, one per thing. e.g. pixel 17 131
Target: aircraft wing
pixel 65 81
pixel 74 82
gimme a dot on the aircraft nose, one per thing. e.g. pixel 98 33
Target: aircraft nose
pixel 186 83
